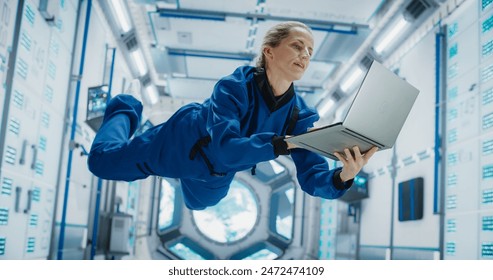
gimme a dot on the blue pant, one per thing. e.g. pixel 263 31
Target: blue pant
pixel 114 156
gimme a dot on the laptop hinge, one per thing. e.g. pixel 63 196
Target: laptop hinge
pixel 362 138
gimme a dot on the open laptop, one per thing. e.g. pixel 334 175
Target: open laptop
pixel 375 117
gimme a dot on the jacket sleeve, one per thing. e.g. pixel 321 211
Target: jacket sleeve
pixel 313 172
pixel 229 103
pixel 315 177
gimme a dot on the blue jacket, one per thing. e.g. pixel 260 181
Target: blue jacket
pixel 206 144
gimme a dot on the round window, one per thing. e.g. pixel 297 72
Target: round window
pixel 232 218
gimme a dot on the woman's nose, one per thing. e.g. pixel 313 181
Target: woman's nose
pixel 305 53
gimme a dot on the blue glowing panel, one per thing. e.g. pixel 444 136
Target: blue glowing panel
pixel 328 229
pixel 487 223
pixel 48 94
pixel 33 220
pixel 45 119
pixel 4 216
pixel 14 125
pixel 452 159
pixel 451 180
pixel 30 245
pixel 451 225
pixel 453 114
pixel 453 71
pixel 25 41
pixel 487 172
pixel 487 49
pixel 18 99
pixel 453 29
pixel 486 74
pixel 451 202
pixel 36 194
pixel 487 197
pixel 450 248
pixel 452 93
pixel 452 136
pixel 453 50
pixel 39 167
pixel 10 155
pixel 487 121
pixel 485 4
pixel 487 147
pixel 3 240
pixel 30 14
pixel 487 250
pixel 22 68
pixel 6 186
pixel 42 143
pixel 487 24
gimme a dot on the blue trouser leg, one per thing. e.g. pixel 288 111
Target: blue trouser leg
pixel 113 156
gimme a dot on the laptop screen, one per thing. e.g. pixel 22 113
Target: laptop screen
pixel 381 105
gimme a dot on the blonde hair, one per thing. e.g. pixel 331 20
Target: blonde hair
pixel 275 35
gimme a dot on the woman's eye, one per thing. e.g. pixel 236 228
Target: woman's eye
pixel 297 47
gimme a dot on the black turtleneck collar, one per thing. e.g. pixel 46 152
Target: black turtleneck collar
pixel 270 99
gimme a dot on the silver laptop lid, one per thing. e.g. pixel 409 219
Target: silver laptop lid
pixel 381 106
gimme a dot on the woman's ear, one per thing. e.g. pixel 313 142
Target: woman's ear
pixel 267 51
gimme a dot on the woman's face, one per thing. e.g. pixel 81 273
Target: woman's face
pixel 292 56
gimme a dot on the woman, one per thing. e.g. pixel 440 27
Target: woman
pixel 244 122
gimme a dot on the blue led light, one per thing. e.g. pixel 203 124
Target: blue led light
pixel 451 225
pixel 452 93
pixel 453 50
pixel 485 4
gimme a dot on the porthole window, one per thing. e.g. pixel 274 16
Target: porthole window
pixel 232 218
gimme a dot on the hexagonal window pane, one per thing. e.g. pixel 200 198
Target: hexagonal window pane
pixel 232 218
pixel 169 206
pixel 264 254
pixel 185 252
pixel 259 251
pixel 187 249
pixel 282 207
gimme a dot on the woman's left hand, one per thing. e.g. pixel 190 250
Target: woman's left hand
pixel 352 164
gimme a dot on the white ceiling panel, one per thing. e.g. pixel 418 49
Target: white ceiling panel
pixel 343 11
pixel 193 43
pixel 202 34
pixel 232 6
pixel 191 88
pixel 212 68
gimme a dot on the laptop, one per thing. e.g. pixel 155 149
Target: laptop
pixel 375 117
